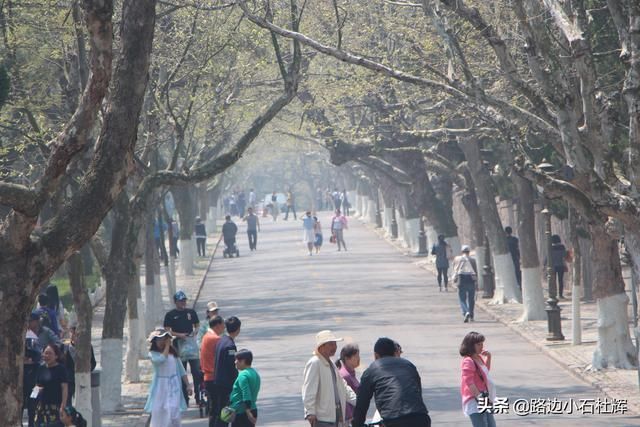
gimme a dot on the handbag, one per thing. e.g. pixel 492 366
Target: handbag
pixel 187 348
pixel 227 414
pixel 485 393
pixel 332 239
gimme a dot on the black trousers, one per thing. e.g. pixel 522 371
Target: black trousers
pixel 196 374
pixel 559 271
pixel 253 238
pixel 221 400
pixel 419 420
pixel 201 243
pixel 243 421
pixel 442 274
pixel 212 394
pixel 28 382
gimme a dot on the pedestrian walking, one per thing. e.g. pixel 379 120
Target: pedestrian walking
pixel 442 251
pixel 225 370
pixel 465 275
pixel 275 209
pixel 324 392
pixel 166 402
pixel 201 237
pixel 253 226
pixel 244 394
pixel 71 417
pixel 51 391
pixel 291 205
pixel 308 235
pixel 69 354
pixel 55 305
pixel 174 250
pixel 395 384
pixel 558 258
pixel 338 225
pixel 183 323
pixel 347 364
pixel 344 201
pixel 317 231
pixel 514 249
pixel 242 203
pixel 335 197
pixel 319 199
pixel 476 386
pixel 212 311
pixel 208 349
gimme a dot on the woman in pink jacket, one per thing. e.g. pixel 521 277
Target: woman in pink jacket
pixel 476 387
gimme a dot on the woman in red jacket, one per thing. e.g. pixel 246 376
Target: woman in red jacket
pixel 476 387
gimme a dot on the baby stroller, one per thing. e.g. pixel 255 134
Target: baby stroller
pixel 230 249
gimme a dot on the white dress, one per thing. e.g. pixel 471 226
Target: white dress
pixel 166 400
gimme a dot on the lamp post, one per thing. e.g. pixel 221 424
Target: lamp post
pixel 394 223
pixel 422 238
pixel 488 284
pixel 378 214
pixel 552 308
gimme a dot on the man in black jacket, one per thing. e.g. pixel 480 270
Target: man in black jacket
pixel 397 388
pixel 225 371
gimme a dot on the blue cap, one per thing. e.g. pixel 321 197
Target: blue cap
pixel 180 296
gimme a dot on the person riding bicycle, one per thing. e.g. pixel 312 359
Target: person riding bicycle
pixel 229 231
pixel 395 383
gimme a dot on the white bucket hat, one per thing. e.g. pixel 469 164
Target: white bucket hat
pixel 158 333
pixel 324 337
pixel 212 306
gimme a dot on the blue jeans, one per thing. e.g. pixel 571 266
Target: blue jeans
pixel 484 419
pixel 466 293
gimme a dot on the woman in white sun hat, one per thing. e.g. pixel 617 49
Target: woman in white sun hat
pixel 166 401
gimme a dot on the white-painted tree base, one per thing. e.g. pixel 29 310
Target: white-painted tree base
pixel 480 262
pixel 402 230
pixel 132 371
pixel 412 227
pixel 372 211
pixel 387 219
pixel 365 208
pixel 432 236
pixel 144 330
pixel 111 377
pixel 454 244
pixel 158 305
pixel 532 295
pixel 151 309
pixel 505 276
pixel 212 220
pixel 359 207
pixel 187 255
pixel 171 279
pixel 351 197
pixel 614 348
pixel 82 397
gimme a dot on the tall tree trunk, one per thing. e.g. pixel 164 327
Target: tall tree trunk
pixel 532 294
pixel 117 275
pixel 84 313
pixel 186 206
pixel 506 285
pixel 614 348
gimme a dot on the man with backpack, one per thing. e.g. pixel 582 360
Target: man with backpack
pixel 465 275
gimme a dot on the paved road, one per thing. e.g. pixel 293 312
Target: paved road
pixel 283 297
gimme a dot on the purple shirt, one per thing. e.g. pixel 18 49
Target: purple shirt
pixel 352 381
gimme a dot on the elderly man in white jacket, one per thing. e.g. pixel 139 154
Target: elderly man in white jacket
pixel 324 392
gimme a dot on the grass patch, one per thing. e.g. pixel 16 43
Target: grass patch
pixel 64 288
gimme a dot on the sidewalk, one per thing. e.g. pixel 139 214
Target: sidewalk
pixel 134 395
pixel 576 359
